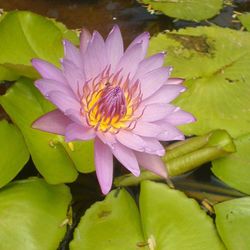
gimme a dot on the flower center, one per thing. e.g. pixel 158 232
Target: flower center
pixel 109 104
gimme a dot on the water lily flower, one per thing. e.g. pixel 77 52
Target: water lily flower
pixel 118 98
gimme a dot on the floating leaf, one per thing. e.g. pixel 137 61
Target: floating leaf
pixel 13 154
pixel 24 104
pixel 169 220
pixel 214 61
pixel 25 35
pixel 234 169
pixel 7 75
pixel 82 154
pixel 31 214
pixel 174 222
pixel 233 223
pixel 71 35
pixel 110 225
pixel 245 20
pixel 194 10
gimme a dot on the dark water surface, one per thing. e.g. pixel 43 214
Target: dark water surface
pixel 133 19
pixel 101 15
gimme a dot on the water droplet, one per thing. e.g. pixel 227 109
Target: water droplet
pixel 183 89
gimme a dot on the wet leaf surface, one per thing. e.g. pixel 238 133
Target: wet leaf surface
pixel 214 61
pixel 175 221
pixel 234 169
pixel 194 10
pixel 110 225
pixel 31 214
pixel 37 36
pixel 245 20
pixel 233 223
pixel 13 154
pixel 169 220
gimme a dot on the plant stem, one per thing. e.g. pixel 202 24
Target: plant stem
pixel 184 156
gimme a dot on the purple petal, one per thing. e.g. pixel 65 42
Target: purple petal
pixel 142 39
pixel 107 138
pixel 175 81
pixel 114 46
pixel 154 80
pixel 48 70
pixel 72 54
pixel 52 122
pixel 103 165
pixel 130 60
pixel 180 117
pixel 157 111
pixel 130 140
pixel 146 129
pixel 153 146
pixel 85 37
pixel 165 94
pixel 149 64
pixel 95 59
pixel 153 163
pixel 76 132
pixel 75 77
pixel 169 132
pixel 75 116
pixel 48 85
pixel 126 157
pixel 63 102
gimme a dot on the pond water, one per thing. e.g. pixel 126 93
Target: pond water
pixel 133 19
pixel 101 15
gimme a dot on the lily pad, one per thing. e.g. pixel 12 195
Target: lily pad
pixel 110 225
pixel 13 154
pixel 233 223
pixel 245 20
pixel 25 35
pixel 234 169
pixel 194 10
pixel 24 104
pixel 82 154
pixel 174 222
pixel 31 215
pixel 169 221
pixel 7 75
pixel 214 61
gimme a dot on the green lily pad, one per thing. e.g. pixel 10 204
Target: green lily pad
pixel 245 20
pixel 31 215
pixel 110 225
pixel 82 154
pixel 234 169
pixel 233 223
pixel 174 222
pixel 194 10
pixel 214 61
pixel 24 104
pixel 169 220
pixel 7 75
pixel 13 153
pixel 25 35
